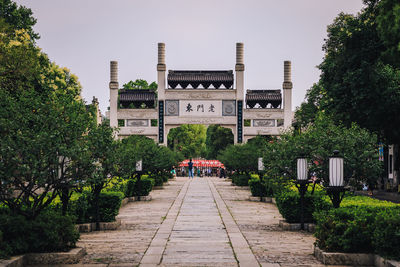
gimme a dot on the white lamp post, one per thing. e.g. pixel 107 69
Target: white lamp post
pixel 302 182
pixel 336 179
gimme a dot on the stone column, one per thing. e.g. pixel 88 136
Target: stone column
pixel 161 81
pixel 113 93
pixel 287 94
pixel 239 68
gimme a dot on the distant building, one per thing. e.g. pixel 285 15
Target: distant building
pixel 200 97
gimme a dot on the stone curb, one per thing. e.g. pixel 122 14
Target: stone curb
pixel 89 227
pixel 355 259
pixel 310 227
pixel 70 257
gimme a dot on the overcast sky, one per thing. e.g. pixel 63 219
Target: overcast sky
pixel 84 35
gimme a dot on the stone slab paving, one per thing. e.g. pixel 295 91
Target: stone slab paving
pixel 198 236
pixel 139 223
pixel 259 224
pixel 200 222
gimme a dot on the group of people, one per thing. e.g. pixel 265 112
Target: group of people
pixel 204 172
pixel 208 171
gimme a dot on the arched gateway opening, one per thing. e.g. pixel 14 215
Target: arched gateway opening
pixel 199 141
pixel 200 97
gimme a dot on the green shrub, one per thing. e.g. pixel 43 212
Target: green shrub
pixel 357 201
pixel 274 186
pixel 257 187
pixel 130 188
pixel 240 179
pixel 158 179
pixel 143 186
pixel 116 184
pixel 386 235
pixel 48 232
pixel 288 203
pixel 109 204
pixel 167 176
pixel 269 187
pixel 347 229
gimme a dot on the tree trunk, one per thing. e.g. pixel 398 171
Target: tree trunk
pixel 96 197
pixel 64 200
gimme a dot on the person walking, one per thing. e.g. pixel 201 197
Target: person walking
pixel 190 167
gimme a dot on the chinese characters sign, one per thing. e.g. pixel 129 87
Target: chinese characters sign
pixel 200 108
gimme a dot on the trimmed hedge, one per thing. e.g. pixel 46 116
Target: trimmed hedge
pixel 240 179
pixel 143 186
pixel 48 232
pixel 386 236
pixel 130 188
pixel 158 179
pixel 257 187
pixel 360 229
pixel 109 204
pixel 288 203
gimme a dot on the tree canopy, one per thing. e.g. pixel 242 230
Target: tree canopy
pixel 188 139
pixel 18 17
pixel 360 75
pixel 217 139
pixel 140 84
pixel 317 143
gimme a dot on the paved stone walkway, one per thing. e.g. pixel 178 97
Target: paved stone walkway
pixel 199 222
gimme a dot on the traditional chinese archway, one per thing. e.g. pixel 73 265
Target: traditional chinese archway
pixel 200 97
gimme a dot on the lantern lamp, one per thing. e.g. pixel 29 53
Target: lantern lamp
pixel 336 179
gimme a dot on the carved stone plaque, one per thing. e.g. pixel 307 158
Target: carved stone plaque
pixel 137 123
pixel 199 108
pixel 171 107
pixel 228 108
pixel 264 123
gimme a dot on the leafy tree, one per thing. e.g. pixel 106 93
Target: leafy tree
pixel 42 125
pixel 243 157
pixel 307 111
pixel 100 163
pixel 140 84
pixel 19 17
pixel 217 139
pixel 317 142
pixel 188 139
pixel 358 79
pixel 388 27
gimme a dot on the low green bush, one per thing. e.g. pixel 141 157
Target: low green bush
pixel 386 235
pixel 269 186
pixel 240 179
pixel 347 229
pixel 143 186
pixel 360 225
pixel 130 188
pixel 117 184
pixel 167 176
pixel 48 232
pixel 109 204
pixel 288 203
pixel 257 187
pixel 274 186
pixel 158 179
